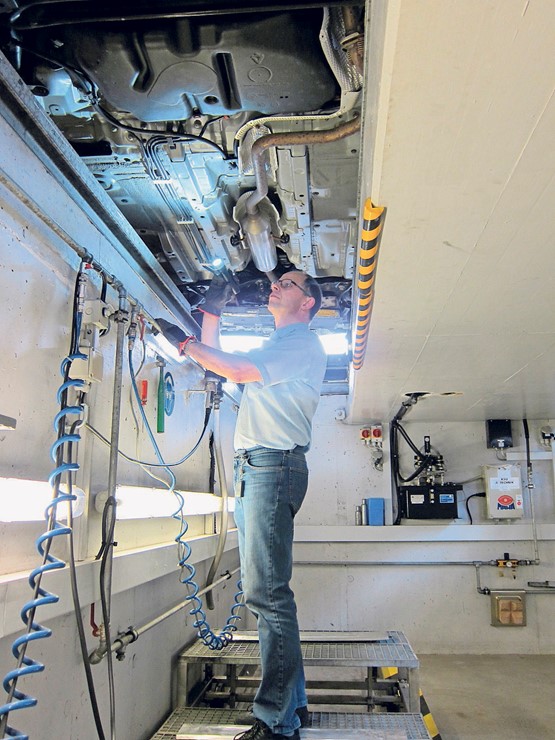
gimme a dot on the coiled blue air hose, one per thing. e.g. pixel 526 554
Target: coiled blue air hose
pixel 188 571
pixel 26 665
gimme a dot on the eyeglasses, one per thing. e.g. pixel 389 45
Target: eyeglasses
pixel 286 283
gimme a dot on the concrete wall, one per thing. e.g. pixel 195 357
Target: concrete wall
pixel 37 278
pixel 437 606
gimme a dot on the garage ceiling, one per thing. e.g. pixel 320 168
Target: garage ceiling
pixel 459 132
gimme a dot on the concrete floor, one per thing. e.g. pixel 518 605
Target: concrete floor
pixel 490 697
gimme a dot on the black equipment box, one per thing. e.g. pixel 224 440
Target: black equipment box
pixel 429 501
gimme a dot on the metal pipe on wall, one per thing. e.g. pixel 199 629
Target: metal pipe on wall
pixel 346 563
pixel 109 514
pixel 224 494
pixel 133 634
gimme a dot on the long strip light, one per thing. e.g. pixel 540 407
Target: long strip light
pixel 137 502
pixel 26 500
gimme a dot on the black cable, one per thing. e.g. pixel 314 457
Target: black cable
pixel 394 428
pixel 108 528
pixel 425 459
pixel 394 452
pixel 104 287
pixel 147 132
pixel 73 575
pixel 482 494
pixel 527 439
pixel 209 123
pixel 157 465
pixel 212 473
pixel 77 608
pixel 408 440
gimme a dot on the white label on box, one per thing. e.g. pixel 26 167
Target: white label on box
pixel 502 482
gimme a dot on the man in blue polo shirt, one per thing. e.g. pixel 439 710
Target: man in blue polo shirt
pixel 282 381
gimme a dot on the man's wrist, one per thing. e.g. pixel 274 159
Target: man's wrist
pixel 211 312
pixel 185 343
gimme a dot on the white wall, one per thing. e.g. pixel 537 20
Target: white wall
pixel 37 277
pixel 437 606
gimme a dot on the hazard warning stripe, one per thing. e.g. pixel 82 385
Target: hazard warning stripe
pixel 390 672
pixel 367 263
pixel 428 719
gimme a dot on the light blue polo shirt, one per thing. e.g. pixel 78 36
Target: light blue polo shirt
pixel 277 412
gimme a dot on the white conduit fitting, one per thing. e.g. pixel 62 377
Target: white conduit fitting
pixel 367 263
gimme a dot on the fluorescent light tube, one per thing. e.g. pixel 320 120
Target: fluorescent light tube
pixel 26 500
pixel 137 502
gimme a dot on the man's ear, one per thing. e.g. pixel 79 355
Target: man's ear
pixel 308 303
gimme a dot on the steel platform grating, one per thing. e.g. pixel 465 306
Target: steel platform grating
pixel 395 651
pixel 410 726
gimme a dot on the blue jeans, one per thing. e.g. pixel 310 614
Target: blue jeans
pixel 270 486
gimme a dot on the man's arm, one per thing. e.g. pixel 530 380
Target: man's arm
pixel 210 332
pixel 236 368
pixel 208 351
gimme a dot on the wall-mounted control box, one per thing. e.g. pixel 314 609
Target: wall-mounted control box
pixel 429 501
pixel 503 491
pixel 499 435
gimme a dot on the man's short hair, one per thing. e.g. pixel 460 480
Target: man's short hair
pixel 315 291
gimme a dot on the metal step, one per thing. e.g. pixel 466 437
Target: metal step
pixel 320 636
pixel 393 651
pixel 214 724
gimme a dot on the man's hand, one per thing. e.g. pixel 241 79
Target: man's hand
pixel 173 333
pixel 184 343
pixel 217 296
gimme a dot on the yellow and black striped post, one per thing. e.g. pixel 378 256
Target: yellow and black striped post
pixel 424 709
pixel 367 262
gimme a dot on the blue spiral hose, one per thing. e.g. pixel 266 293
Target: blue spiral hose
pixel 188 571
pixel 25 665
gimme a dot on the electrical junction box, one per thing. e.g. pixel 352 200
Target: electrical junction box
pixel 430 501
pixel 90 369
pixel 504 491
pixel 498 433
